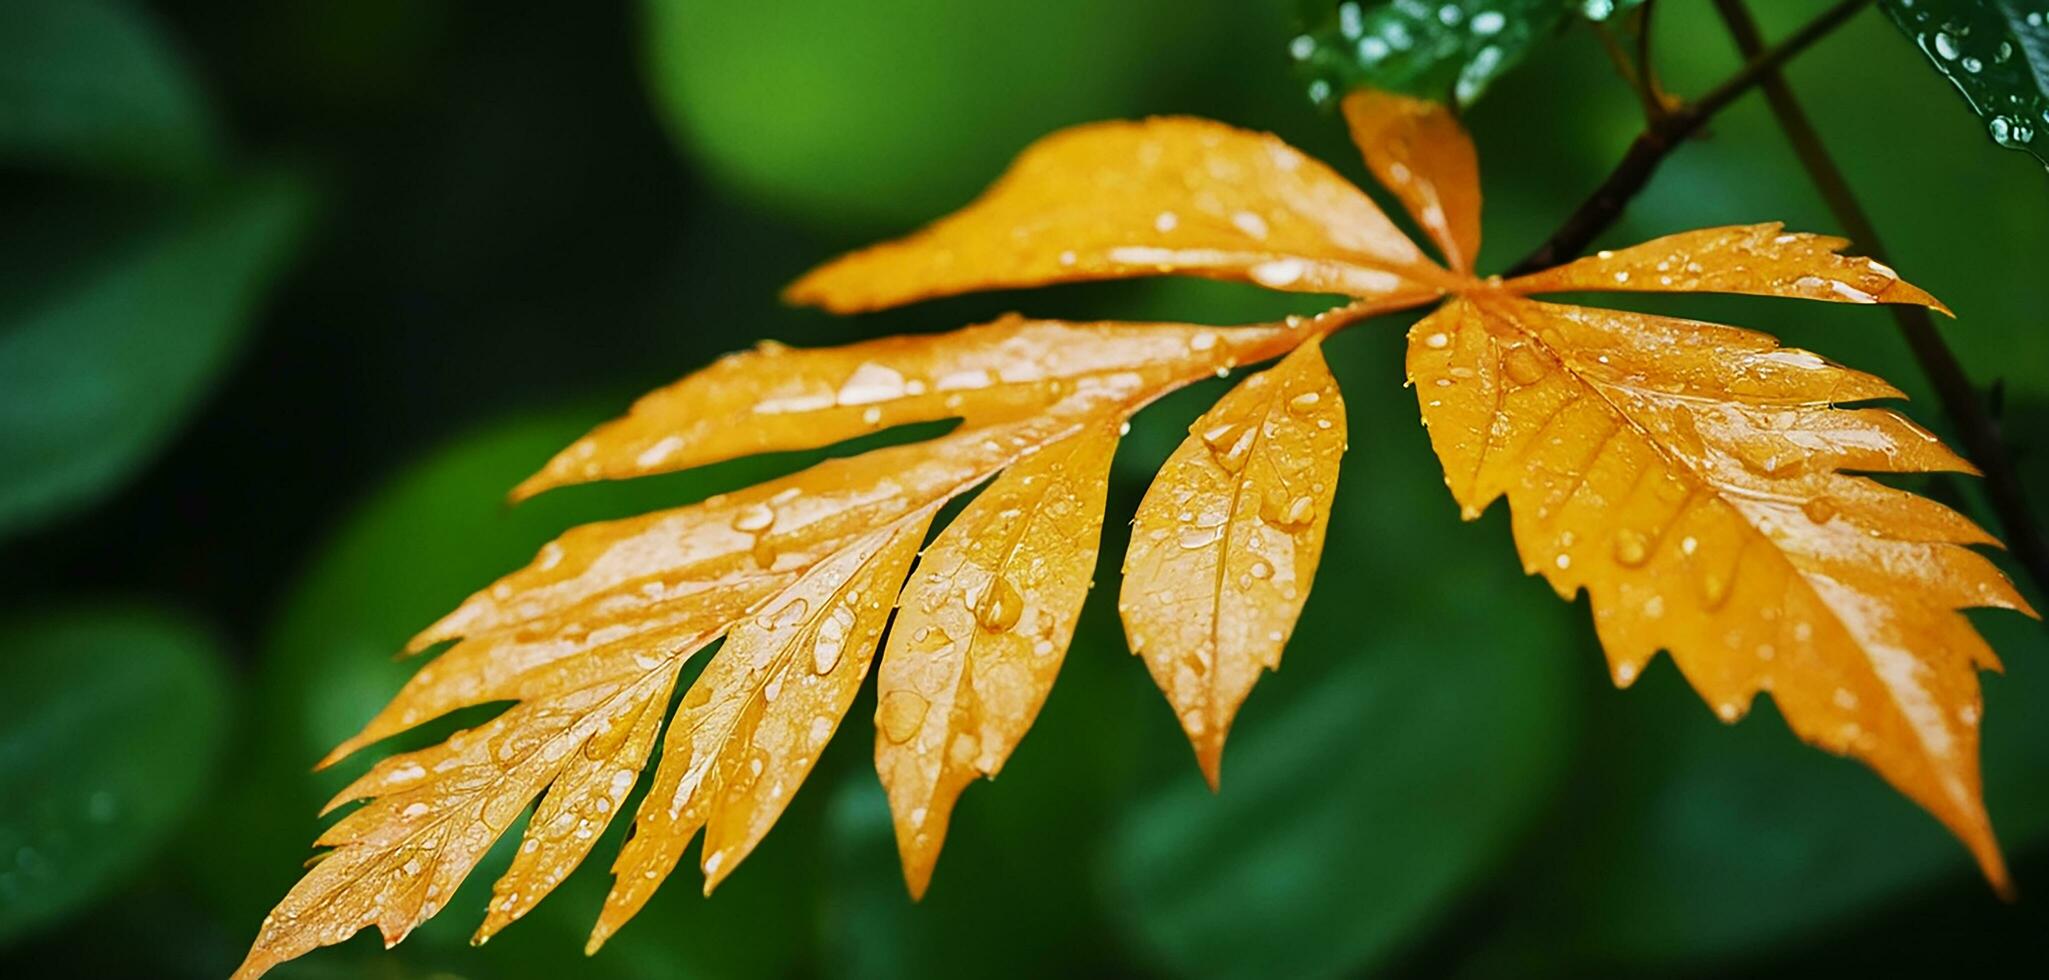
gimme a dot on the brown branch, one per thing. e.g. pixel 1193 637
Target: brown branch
pixel 1650 148
pixel 1976 428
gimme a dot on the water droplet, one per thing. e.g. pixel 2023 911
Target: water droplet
pixel 1304 403
pixel 1820 510
pixel 831 639
pixel 900 714
pixel 871 382
pixel 1632 547
pixel 789 614
pixel 1000 607
pixel 754 518
pixel 1714 589
pixel 1689 544
pixel 1437 341
pixel 930 638
pixel 1523 366
pixel 1230 443
pixel 1279 273
pixel 1288 514
pixel 1260 569
pixel 2011 132
pixel 1844 699
pixel 1165 221
pixel 1202 341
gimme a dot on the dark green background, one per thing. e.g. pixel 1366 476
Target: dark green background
pixel 292 290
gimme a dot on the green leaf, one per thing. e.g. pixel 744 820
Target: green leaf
pixel 103 361
pixel 1363 806
pixel 110 721
pixel 94 86
pixel 1450 50
pixel 1996 52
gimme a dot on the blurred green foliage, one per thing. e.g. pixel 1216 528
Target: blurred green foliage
pixel 91 85
pixel 118 337
pixel 291 293
pixel 111 717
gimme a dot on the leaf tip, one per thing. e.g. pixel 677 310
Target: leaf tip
pixel 1209 756
pixel 599 934
pixel 255 965
pixel 917 879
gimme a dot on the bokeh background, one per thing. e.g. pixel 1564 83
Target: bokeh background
pixel 291 292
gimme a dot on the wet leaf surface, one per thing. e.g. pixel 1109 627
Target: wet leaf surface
pixel 1699 481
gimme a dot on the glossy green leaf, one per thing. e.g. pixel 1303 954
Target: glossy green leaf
pixel 111 718
pixel 102 362
pixel 1996 52
pixel 95 85
pixel 1449 51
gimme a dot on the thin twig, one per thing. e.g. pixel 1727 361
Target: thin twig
pixel 1650 148
pixel 1976 428
pixel 1632 72
pixel 1646 67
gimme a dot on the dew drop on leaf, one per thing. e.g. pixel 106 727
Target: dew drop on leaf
pixel 754 518
pixel 1632 547
pixel 900 714
pixel 1000 607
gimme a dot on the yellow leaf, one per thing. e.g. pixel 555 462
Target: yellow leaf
pixel 1691 477
pixel 984 624
pixel 1421 154
pixel 1225 543
pixel 1113 200
pixel 1696 480
pixel 799 399
pixel 1760 260
pixel 752 726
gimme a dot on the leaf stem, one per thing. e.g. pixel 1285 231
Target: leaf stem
pixel 1976 428
pixel 1632 72
pixel 1659 139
